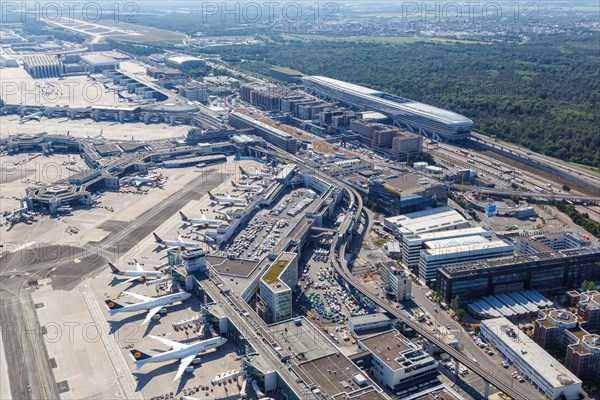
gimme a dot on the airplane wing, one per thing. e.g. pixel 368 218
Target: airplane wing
pixel 203 216
pixel 151 313
pixel 184 363
pixel 171 343
pixel 137 183
pixel 133 278
pixel 138 266
pixel 140 297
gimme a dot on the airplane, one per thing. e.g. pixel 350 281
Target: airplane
pixel 246 188
pixel 202 222
pixel 185 353
pixel 151 304
pixel 139 180
pixel 255 174
pixel 37 116
pixel 227 201
pixel 178 243
pixel 140 275
pixel 98 136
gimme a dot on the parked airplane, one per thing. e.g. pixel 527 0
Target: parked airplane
pixel 246 188
pixel 227 201
pixel 37 116
pixel 139 274
pixel 255 174
pixel 185 353
pixel 98 136
pixel 178 243
pixel 202 222
pixel 151 304
pixel 137 180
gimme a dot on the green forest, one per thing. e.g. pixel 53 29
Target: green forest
pixel 543 94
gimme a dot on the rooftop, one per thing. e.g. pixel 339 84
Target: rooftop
pixel 98 59
pixel 234 267
pixel 562 316
pixel 407 183
pixel 389 347
pixel 362 319
pixel 531 353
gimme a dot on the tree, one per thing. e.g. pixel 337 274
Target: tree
pixel 588 285
pixel 459 313
pixel 455 303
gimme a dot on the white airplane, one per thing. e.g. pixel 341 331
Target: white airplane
pixel 37 116
pixel 98 136
pixel 139 274
pixel 175 243
pixel 227 201
pixel 139 180
pixel 246 188
pixel 151 304
pixel 185 353
pixel 202 222
pixel 255 174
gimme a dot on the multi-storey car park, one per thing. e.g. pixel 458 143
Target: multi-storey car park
pixel 430 121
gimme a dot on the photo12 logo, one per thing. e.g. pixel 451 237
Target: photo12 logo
pixel 251 12
pixel 68 11
pixel 469 12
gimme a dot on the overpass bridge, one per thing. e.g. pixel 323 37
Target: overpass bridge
pixel 534 195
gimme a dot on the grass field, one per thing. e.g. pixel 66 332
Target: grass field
pixel 375 39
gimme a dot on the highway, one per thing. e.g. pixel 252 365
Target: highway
pixel 508 193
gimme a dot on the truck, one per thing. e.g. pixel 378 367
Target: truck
pixel 519 180
pixel 539 189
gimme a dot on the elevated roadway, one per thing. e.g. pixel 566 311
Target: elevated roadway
pixel 508 193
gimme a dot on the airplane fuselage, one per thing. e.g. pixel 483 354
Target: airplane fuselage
pixel 195 348
pixel 160 301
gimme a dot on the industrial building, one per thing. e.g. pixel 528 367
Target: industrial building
pixel 445 252
pixel 97 63
pixel 412 245
pixel 47 66
pixel 396 362
pixel 401 194
pixel 417 117
pixel 510 305
pixel 397 282
pixel 552 272
pixel 436 219
pixel 545 373
pixel 185 62
pixel 551 241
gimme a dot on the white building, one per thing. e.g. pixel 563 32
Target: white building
pixel 449 251
pixel 412 246
pixel 368 322
pixel 396 362
pixel 546 374
pixel 432 220
pixel 277 284
pixel 552 241
pixel 397 282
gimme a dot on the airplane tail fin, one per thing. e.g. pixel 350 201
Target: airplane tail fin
pixel 112 306
pixel 183 217
pixel 212 197
pixel 234 184
pixel 114 269
pixel 139 357
pixel 157 238
pixel 243 171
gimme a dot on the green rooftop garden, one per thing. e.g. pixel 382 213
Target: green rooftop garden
pixel 272 275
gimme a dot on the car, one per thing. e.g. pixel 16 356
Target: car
pixel 504 364
pixel 475 360
pixel 490 353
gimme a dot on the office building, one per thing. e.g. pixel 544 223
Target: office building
pixel 397 282
pixel 271 134
pixel 446 252
pixel 583 358
pixel 401 194
pixel 362 323
pixel 194 91
pixel 588 308
pixel 417 117
pixel 546 374
pixel 425 221
pixel 552 272
pixel 551 241
pixel 396 362
pixel 277 284
pixel 267 98
pixel 412 245
pixel 42 66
